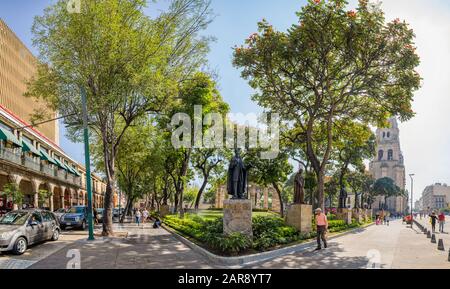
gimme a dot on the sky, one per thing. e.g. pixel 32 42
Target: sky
pixel 425 140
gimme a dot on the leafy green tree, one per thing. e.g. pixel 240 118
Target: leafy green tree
pixel 44 196
pixel 12 191
pixel 130 65
pixel 273 172
pixel 386 187
pixel 207 162
pixel 333 65
pixel 200 90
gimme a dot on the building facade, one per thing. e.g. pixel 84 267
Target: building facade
pixel 436 197
pixel 389 162
pixel 17 67
pixel 30 157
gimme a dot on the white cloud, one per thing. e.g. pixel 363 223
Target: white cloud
pixel 425 140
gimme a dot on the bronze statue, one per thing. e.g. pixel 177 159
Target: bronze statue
pixel 343 199
pixel 299 184
pixel 237 177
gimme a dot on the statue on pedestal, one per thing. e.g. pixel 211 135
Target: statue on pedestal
pixel 299 183
pixel 237 177
pixel 343 199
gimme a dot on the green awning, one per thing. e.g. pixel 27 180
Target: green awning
pixel 76 172
pixel 72 170
pixel 6 135
pixel 27 147
pixel 60 164
pixel 45 156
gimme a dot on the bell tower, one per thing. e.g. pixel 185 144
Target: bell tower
pixel 389 162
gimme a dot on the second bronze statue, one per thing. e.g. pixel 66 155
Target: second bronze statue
pixel 299 184
pixel 237 177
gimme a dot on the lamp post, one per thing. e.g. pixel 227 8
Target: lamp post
pixel 412 187
pixel 87 163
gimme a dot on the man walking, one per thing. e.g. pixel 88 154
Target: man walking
pixel 441 219
pixel 433 219
pixel 322 227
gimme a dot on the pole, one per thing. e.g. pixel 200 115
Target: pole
pixel 412 196
pixel 87 163
pixel 120 198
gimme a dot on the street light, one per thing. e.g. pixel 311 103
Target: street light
pixel 412 187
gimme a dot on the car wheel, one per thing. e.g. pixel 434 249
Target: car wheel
pixel 63 227
pixel 55 235
pixel 83 226
pixel 20 246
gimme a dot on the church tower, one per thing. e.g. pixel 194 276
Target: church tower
pixel 389 162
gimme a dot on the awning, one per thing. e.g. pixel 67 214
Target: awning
pixel 60 164
pixel 45 156
pixel 6 135
pixel 27 147
pixel 76 172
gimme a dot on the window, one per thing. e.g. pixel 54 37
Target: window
pixel 36 217
pixel 384 134
pixel 390 155
pixel 380 155
pixel 388 134
pixel 47 216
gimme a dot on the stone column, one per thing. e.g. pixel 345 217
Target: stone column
pixel 63 193
pixel 51 187
pixel 35 187
pixel 266 199
pixel 276 204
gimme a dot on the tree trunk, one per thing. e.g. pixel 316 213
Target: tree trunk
pixel 320 190
pixel 200 192
pixel 277 188
pixel 109 159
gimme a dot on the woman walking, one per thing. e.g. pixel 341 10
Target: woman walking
pixel 138 217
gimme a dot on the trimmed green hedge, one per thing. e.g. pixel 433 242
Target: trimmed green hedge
pixel 268 232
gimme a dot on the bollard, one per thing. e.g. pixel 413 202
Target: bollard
pixel 433 239
pixel 441 245
pixel 449 255
pixel 428 234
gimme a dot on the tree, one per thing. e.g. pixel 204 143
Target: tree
pixel 386 187
pixel 354 144
pixel 129 64
pixel 190 195
pixel 272 172
pixel 200 90
pixel 11 191
pixel 333 65
pixel 207 162
pixel 44 196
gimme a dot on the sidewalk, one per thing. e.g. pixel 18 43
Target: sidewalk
pixel 386 247
pixel 145 248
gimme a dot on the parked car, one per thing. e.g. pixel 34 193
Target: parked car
pixel 76 217
pixel 116 212
pixel 22 228
pixel 100 212
pixel 60 212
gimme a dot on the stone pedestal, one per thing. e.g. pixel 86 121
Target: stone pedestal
pixel 237 217
pixel 300 217
pixel 344 214
pixel 359 215
pixel 164 210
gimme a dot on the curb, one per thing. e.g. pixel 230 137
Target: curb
pixel 255 258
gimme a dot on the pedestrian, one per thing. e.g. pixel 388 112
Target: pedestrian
pixel 157 223
pixel 138 217
pixel 433 219
pixel 441 222
pixel 144 215
pixel 95 216
pixel 322 227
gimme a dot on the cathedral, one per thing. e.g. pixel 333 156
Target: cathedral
pixel 389 163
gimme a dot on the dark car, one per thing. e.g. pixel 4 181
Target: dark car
pixel 21 228
pixel 76 217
